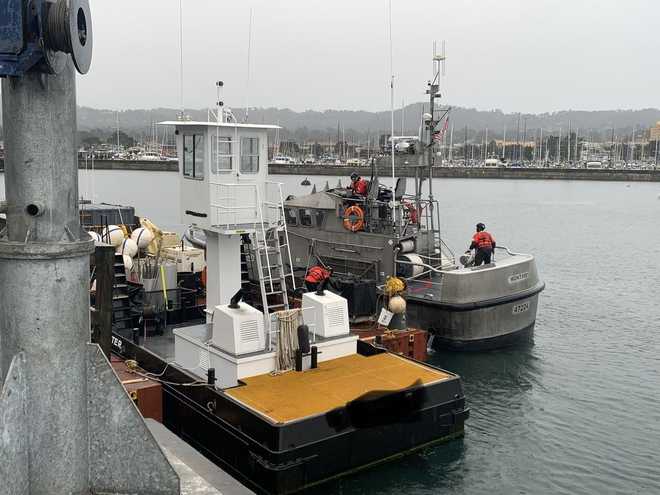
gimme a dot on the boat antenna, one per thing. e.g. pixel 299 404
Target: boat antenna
pixel 182 111
pixel 219 103
pixel 434 91
pixel 247 84
pixel 392 110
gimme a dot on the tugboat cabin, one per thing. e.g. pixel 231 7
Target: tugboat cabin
pixel 223 167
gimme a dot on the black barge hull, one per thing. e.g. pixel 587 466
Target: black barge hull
pixel 286 458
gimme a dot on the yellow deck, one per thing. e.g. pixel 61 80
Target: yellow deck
pixel 293 395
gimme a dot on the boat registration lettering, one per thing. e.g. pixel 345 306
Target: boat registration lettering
pixel 518 277
pixel 520 308
pixel 116 342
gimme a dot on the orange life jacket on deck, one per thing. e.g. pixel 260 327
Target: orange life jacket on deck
pixel 317 274
pixel 483 240
pixel 360 187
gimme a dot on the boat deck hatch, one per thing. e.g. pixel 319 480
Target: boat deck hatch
pixel 294 395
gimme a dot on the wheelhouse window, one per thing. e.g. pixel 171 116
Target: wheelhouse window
pixel 221 155
pixel 320 216
pixel 193 156
pixel 249 155
pixel 305 217
pixel 291 218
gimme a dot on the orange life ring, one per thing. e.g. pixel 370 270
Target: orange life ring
pixel 354 218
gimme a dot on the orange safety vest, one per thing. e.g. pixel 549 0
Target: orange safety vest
pixel 317 274
pixel 360 187
pixel 483 240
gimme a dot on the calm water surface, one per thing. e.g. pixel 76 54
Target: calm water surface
pixel 576 413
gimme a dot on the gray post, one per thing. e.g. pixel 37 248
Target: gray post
pixel 44 267
pixel 66 424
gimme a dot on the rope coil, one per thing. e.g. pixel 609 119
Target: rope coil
pixel 287 341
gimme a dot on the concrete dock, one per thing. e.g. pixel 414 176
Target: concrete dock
pixel 477 172
pixel 198 475
pixel 619 175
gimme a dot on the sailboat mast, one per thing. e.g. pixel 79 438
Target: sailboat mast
pixel 486 145
pixel 504 144
pixel 568 143
pixel 559 148
pixel 451 143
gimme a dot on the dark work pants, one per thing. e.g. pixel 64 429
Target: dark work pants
pixel 311 286
pixel 482 256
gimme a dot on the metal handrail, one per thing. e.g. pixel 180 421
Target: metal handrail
pixel 428 267
pixel 235 184
pixel 214 205
pixel 508 251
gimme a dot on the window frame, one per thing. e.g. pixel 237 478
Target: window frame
pixel 216 156
pixel 195 170
pixel 319 218
pixel 291 216
pixel 306 213
pixel 252 155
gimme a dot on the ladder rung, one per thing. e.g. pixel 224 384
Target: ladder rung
pixel 276 306
pixel 275 292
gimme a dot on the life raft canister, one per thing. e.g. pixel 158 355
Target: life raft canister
pixel 354 218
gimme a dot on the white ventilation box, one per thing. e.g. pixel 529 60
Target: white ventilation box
pixel 328 312
pixel 238 331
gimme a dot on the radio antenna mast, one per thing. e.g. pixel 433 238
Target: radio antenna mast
pixel 247 84
pixel 182 112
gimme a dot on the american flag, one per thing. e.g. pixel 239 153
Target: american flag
pixel 437 136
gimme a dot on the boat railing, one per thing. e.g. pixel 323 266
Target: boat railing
pixel 234 204
pixel 508 251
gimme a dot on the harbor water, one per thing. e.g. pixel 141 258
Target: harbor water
pixel 577 412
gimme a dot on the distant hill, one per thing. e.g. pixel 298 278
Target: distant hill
pixel 312 125
pixel 358 125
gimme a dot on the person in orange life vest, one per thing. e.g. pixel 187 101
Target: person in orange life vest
pixel 358 185
pixel 484 244
pixel 315 275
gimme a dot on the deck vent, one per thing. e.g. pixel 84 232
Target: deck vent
pixel 336 315
pixel 327 315
pixel 249 331
pixel 238 330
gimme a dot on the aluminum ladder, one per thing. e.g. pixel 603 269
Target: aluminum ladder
pixel 267 252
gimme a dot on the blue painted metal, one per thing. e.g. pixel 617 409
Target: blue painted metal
pixel 11 26
pixel 22 43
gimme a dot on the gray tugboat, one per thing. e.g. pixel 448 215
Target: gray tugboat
pixel 371 237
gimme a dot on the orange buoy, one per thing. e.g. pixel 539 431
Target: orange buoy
pixel 354 218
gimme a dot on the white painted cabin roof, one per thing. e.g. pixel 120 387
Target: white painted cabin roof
pixel 232 125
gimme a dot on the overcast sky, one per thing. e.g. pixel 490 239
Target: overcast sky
pixel 514 55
